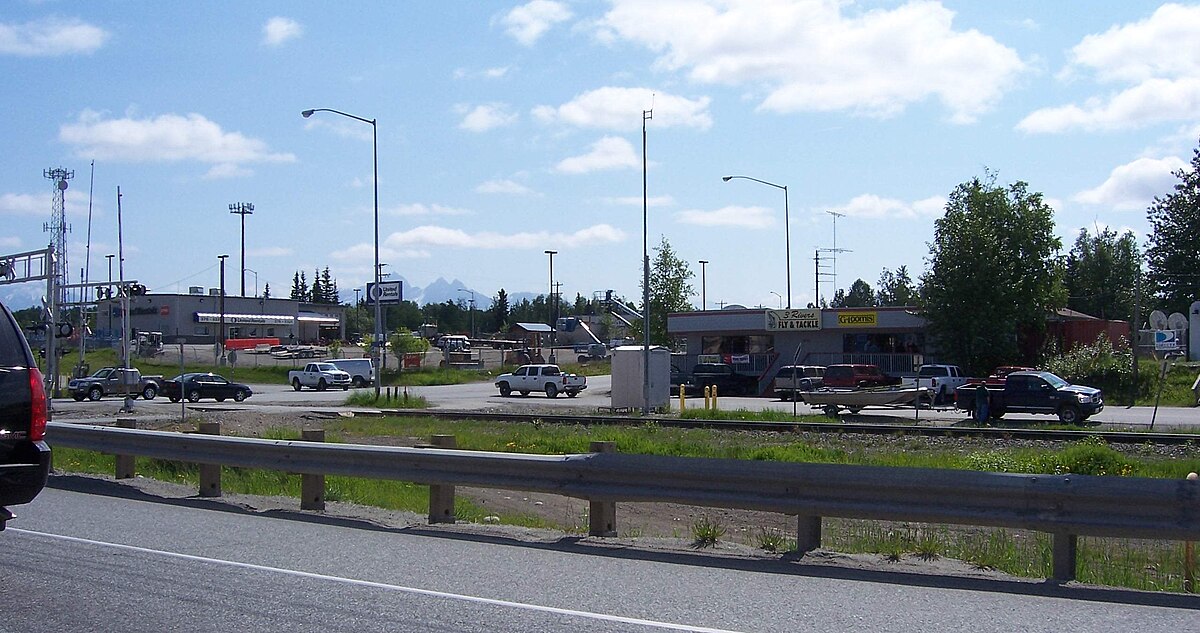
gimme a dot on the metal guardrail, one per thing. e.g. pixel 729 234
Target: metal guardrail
pixel 1065 506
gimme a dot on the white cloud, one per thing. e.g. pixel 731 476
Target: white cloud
pixel 1134 185
pixel 610 152
pixel 50 38
pixel 743 217
pixel 25 204
pixel 485 117
pixel 1159 60
pixel 528 22
pixel 621 109
pixel 443 237
pixel 168 137
pixel 636 201
pixel 496 73
pixel 278 30
pixel 503 186
pixel 809 56
pixel 871 206
pixel 221 171
pixel 418 208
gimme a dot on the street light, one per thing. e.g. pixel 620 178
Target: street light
pixel 550 307
pixel 703 284
pixel 358 309
pixel 787 235
pixel 221 300
pixel 378 339
pixel 110 257
pixel 780 297
pixel 255 273
pixel 472 309
pixel 243 209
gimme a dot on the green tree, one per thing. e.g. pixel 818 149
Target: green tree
pixel 299 287
pixel 669 291
pixel 266 290
pixel 1102 273
pixel 860 296
pixel 329 288
pixel 1173 251
pixel 993 273
pixel 317 293
pixel 499 311
pixel 896 289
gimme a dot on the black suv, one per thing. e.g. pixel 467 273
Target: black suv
pixel 24 456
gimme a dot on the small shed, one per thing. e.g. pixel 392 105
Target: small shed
pixel 628 370
pixel 533 335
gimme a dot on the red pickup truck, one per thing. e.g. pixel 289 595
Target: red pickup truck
pixel 857 376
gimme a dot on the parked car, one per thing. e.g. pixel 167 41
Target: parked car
pixel 793 380
pixel 319 376
pixel 941 381
pixel 197 386
pixel 361 370
pixel 1031 392
pixel 724 378
pixel 857 376
pixel 546 378
pixel 24 455
pixel 115 381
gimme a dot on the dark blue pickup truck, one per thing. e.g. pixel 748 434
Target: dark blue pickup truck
pixel 24 456
pixel 1030 392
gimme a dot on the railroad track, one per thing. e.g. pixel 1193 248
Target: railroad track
pixel 882 428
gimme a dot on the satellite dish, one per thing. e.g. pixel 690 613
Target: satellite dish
pixel 1158 320
pixel 1177 321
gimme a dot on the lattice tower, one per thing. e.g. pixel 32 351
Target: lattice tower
pixel 58 228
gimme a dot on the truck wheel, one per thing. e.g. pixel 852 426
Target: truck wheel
pixel 174 398
pixel 296 384
pixel 239 395
pixel 321 385
pixel 95 393
pixel 551 390
pixel 194 395
pixel 572 394
pixel 831 410
pixel 505 390
pixel 1069 414
pixel 149 392
pixel 359 381
pixel 78 397
pixel 524 392
pixel 996 413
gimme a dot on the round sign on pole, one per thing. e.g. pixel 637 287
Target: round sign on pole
pixel 376 291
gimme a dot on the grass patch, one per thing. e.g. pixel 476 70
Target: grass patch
pixel 393 400
pixel 707 532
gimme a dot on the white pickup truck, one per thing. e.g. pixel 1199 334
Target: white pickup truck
pixel 319 376
pixel 941 381
pixel 547 378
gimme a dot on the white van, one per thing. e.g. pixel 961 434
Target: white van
pixel 361 370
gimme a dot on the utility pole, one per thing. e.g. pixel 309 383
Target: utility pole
pixel 243 209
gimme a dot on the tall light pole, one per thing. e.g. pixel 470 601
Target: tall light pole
pixel 703 284
pixel 646 116
pixel 221 300
pixel 110 257
pixel 358 308
pixel 551 306
pixel 472 304
pixel 377 341
pixel 787 234
pixel 243 209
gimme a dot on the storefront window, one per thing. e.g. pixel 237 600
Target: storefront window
pixel 883 343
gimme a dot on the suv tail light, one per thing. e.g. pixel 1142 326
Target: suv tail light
pixel 37 423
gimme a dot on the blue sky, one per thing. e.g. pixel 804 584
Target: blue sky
pixel 506 129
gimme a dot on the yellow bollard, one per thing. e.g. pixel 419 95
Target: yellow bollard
pixel 707 395
pixel 682 399
pixel 714 398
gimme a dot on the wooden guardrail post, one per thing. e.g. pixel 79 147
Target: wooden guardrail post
pixel 441 496
pixel 1065 556
pixel 312 487
pixel 210 474
pixel 126 464
pixel 808 533
pixel 602 515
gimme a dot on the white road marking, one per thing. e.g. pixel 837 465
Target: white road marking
pixel 603 617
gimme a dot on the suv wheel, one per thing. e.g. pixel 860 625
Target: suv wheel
pixel 95 393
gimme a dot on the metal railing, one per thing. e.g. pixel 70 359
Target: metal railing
pixel 1065 506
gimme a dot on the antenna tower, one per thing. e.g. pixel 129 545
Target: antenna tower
pixel 818 260
pixel 58 228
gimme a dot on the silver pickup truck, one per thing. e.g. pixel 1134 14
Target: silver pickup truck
pixel 546 378
pixel 115 381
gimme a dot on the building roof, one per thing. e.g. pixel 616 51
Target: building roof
pixel 533 327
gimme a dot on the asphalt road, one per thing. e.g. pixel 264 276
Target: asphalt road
pixel 597 396
pixel 92 556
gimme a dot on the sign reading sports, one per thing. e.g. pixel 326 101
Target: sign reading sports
pixel 858 319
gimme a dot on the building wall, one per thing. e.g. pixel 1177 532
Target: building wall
pixel 196 318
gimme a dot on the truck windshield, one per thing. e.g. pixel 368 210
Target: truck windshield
pixel 1055 381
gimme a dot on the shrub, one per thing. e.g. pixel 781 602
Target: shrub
pixel 707 532
pixel 1097 365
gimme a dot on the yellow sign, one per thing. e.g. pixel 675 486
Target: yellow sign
pixel 858 319
pixel 809 319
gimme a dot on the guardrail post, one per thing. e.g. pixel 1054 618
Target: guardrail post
pixel 441 496
pixel 312 487
pixel 210 474
pixel 602 515
pixel 125 466
pixel 808 533
pixel 1065 556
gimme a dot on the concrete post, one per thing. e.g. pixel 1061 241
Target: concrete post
pixel 441 496
pixel 312 487
pixel 125 466
pixel 808 533
pixel 1065 556
pixel 210 474
pixel 602 515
